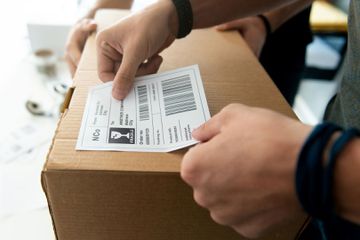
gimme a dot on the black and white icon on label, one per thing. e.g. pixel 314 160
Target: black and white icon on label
pixel 122 135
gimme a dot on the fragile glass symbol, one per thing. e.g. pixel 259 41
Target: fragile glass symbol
pixel 117 135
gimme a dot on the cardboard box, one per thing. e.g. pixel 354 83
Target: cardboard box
pixel 137 196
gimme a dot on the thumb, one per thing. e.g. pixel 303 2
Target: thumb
pixel 125 75
pixel 208 130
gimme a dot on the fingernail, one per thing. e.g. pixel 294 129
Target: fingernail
pixel 118 94
pixel 195 130
pixel 219 27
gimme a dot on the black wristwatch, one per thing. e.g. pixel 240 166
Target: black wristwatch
pixel 185 16
pixel 266 24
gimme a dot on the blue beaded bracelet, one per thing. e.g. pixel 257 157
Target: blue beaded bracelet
pixel 309 172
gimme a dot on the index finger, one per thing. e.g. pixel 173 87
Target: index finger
pixel 197 163
pixel 105 64
pixel 208 129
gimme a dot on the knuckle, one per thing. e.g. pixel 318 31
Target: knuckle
pixel 77 59
pixel 230 111
pixel 231 106
pixel 116 66
pixel 68 59
pixel 153 67
pixel 66 56
pixel 250 231
pixel 84 21
pixel 125 78
pixel 189 171
pixel 69 62
pixel 102 76
pixel 100 36
pixel 219 219
pixel 68 47
pixel 201 199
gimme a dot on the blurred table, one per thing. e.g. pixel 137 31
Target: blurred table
pixel 30 225
pixel 23 206
pixel 327 18
pixel 329 23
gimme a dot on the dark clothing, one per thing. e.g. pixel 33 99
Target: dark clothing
pixel 344 108
pixel 284 52
pixel 283 57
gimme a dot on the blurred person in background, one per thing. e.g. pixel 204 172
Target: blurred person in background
pixel 280 46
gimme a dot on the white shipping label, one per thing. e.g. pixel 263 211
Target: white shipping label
pixel 158 115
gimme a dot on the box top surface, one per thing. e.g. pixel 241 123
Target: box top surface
pixel 230 73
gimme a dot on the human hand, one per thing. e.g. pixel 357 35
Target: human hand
pixel 243 171
pixel 252 30
pixel 76 42
pixel 131 46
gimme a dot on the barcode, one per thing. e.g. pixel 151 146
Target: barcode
pixel 143 103
pixel 178 95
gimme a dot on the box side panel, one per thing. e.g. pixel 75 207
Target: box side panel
pixel 131 206
pixel 110 205
pixel 45 189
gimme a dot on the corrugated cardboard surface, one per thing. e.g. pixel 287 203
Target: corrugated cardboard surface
pixel 122 195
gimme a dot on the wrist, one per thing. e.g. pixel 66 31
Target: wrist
pixel 184 14
pixel 169 9
pixel 346 182
pixel 326 153
pixel 173 21
pixel 314 181
pixel 265 23
pixel 327 173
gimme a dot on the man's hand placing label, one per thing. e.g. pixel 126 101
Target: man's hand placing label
pixel 121 56
pixel 243 170
pixel 240 171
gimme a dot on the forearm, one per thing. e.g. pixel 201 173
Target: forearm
pixel 347 182
pixel 279 16
pixel 121 4
pixel 212 12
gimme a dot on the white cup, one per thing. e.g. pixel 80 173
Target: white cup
pixel 45 61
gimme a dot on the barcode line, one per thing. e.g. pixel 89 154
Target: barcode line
pixel 178 95
pixel 143 103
